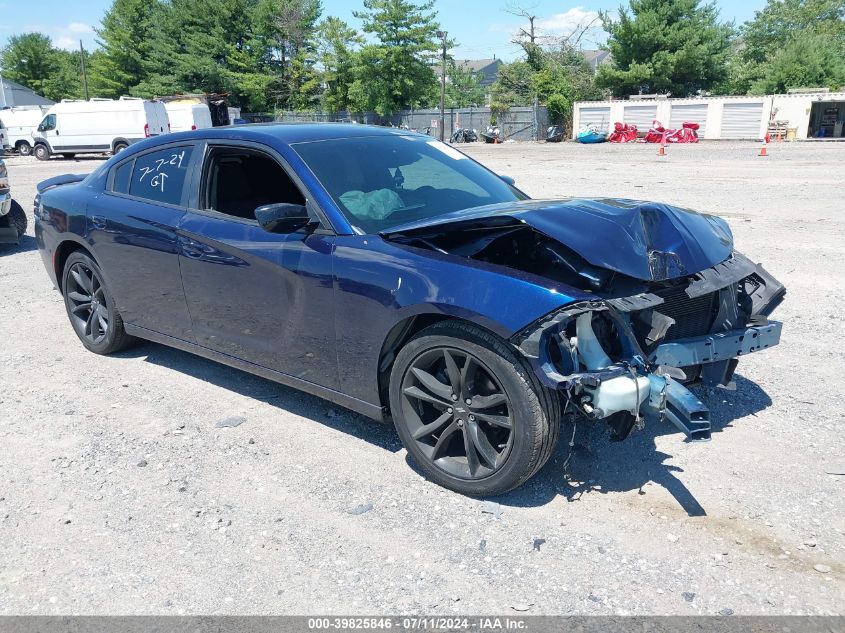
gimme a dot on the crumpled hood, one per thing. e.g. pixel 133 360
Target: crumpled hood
pixel 644 240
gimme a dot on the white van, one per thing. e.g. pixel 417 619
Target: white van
pixel 188 116
pixel 98 125
pixel 20 123
pixel 4 139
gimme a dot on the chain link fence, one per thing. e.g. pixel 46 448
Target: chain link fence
pixel 515 124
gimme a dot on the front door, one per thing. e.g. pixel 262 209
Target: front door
pixel 261 297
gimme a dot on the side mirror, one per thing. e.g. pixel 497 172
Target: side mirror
pixel 508 180
pixel 282 217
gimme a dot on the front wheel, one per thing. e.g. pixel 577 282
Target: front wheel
pixel 91 307
pixel 42 152
pixel 469 412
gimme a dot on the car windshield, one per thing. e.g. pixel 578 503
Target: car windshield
pixel 380 182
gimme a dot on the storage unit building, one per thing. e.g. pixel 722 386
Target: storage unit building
pixel 808 115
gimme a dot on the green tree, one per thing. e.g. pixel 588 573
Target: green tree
pixel 765 56
pixel 65 82
pixel 336 57
pixel 124 36
pixel 675 47
pixel 205 46
pixel 286 31
pixel 463 87
pixel 30 60
pixel 808 60
pixel 396 71
pixel 780 21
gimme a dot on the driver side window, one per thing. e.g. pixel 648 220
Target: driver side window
pixel 49 123
pixel 237 181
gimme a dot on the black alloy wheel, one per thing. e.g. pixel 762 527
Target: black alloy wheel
pixel 87 303
pixel 91 307
pixel 469 411
pixel 457 412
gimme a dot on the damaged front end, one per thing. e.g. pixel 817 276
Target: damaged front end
pixel 630 359
pixel 673 304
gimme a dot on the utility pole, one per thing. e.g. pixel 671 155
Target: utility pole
pixel 84 73
pixel 442 36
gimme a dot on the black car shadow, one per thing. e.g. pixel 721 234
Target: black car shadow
pixel 285 398
pixel 593 465
pixel 597 465
pixel 27 243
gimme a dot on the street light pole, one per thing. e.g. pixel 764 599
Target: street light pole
pixel 442 36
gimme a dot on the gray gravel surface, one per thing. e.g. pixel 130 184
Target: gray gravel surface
pixel 157 482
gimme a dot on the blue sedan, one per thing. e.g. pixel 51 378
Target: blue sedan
pixel 393 275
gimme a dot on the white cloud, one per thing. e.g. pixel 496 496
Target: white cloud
pixel 562 25
pixel 67 43
pixel 68 36
pixel 568 22
pixel 79 28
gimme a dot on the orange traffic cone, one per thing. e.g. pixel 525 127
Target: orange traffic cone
pixel 764 148
pixel 662 150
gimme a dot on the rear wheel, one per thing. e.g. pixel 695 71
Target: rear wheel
pixel 24 148
pixel 469 412
pixel 18 216
pixel 119 147
pixel 91 307
pixel 42 152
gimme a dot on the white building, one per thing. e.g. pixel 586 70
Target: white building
pixel 812 115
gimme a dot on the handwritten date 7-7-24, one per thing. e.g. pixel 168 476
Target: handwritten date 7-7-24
pixel 159 170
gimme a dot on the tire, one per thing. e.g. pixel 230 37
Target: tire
pixel 82 279
pixel 41 151
pixel 69 156
pixel 18 217
pixel 24 148
pixel 503 414
pixel 119 147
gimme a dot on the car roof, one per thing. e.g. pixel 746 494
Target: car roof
pixel 290 133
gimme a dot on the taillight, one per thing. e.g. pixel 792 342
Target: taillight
pixel 193 127
pixel 146 130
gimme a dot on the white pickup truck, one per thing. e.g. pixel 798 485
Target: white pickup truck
pixel 12 215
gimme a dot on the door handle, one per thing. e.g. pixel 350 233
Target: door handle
pixel 98 221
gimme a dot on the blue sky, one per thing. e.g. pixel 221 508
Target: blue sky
pixel 482 28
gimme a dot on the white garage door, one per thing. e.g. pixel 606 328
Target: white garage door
pixel 641 116
pixel 689 113
pixel 742 120
pixel 595 116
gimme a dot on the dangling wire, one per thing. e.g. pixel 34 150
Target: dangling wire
pixel 571 439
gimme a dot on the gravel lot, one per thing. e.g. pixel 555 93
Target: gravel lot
pixel 121 493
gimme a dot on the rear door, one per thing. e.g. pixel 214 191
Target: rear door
pixel 132 228
pixel 261 297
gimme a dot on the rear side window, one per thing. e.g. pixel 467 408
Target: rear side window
pixel 160 176
pixel 122 176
